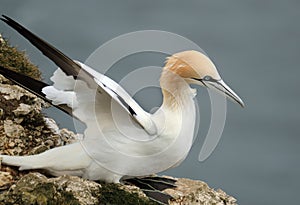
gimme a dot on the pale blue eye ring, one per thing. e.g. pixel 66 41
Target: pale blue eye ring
pixel 207 78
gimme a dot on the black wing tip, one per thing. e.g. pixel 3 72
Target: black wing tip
pixel 11 22
pixel 3 18
pixel 6 19
pixel 60 59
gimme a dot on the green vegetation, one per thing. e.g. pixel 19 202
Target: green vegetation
pixel 113 194
pixel 33 189
pixel 17 60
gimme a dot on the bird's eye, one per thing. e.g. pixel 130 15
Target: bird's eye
pixel 207 78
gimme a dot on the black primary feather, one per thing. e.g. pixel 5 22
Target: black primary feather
pixel 60 59
pixel 31 85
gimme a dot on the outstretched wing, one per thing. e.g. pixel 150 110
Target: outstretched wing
pixel 111 92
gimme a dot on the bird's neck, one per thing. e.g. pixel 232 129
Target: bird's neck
pixel 176 118
pixel 177 94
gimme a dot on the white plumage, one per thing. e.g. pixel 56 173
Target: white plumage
pixel 122 139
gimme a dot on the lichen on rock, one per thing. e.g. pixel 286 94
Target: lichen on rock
pixel 35 188
pixel 197 192
pixel 5 180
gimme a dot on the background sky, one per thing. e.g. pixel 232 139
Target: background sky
pixel 255 45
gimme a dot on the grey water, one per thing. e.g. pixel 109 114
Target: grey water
pixel 255 45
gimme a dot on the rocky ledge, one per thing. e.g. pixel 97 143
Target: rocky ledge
pixel 36 188
pixel 24 130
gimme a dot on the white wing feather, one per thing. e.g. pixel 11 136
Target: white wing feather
pixel 85 99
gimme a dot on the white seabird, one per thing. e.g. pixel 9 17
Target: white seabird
pixel 106 152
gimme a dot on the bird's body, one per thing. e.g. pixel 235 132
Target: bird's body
pixel 121 139
pixel 94 157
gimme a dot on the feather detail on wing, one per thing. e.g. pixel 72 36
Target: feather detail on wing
pixel 88 81
pixel 117 93
pixel 33 86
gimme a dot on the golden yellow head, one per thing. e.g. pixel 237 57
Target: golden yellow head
pixel 196 68
pixel 192 65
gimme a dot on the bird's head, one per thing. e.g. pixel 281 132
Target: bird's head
pixel 196 68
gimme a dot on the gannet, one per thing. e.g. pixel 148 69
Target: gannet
pixel 107 152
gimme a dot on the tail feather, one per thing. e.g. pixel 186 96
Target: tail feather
pixel 43 160
pixel 68 157
pixel 24 162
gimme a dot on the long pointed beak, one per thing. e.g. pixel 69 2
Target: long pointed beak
pixel 221 86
